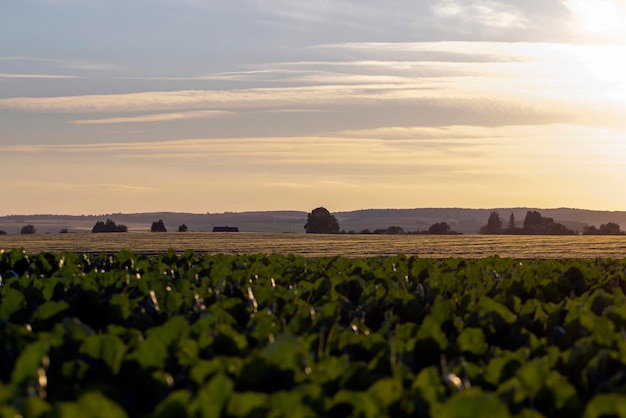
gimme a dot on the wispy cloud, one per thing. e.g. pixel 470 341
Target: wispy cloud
pixel 157 117
pixel 259 97
pixel 55 63
pixel 483 13
pixel 29 76
pixel 399 163
pixel 103 187
pixel 388 145
pixel 548 82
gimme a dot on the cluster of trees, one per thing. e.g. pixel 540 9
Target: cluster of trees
pixel 321 221
pixel 111 226
pixel 28 229
pixel 534 224
pixel 158 226
pixel 610 228
pixel 438 228
pixel 108 226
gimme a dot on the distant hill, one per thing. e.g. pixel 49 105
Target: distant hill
pixel 467 221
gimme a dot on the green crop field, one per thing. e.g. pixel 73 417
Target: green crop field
pixel 186 334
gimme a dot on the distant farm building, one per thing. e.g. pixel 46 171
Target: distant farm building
pixel 225 229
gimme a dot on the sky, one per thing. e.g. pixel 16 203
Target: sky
pixel 110 106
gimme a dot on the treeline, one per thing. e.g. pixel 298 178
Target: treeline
pixel 438 228
pixel 321 221
pixel 610 228
pixel 104 227
pixel 536 224
pixel 108 226
pixel 111 226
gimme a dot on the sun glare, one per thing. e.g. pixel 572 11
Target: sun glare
pixel 606 66
pixel 598 16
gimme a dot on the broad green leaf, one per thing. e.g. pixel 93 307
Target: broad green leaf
pixel 34 407
pixel 120 305
pixel 431 330
pixel 12 301
pixel 108 348
pixel 7 411
pixel 228 341
pixel 329 369
pixel 212 397
pixel 76 330
pixel 532 375
pixel 442 310
pixel 606 404
pixel 430 385
pixel 203 369
pixel 246 403
pixel 29 362
pixel 6 393
pixel 359 402
pixel 563 393
pixel 284 352
pixel 174 406
pixel 289 404
pixel 173 302
pixel 472 340
pixel 500 314
pixel 151 354
pixel 92 404
pixel 513 391
pixel 473 403
pixel 49 287
pixel 50 309
pixel 529 413
pixel 503 367
pixel 187 353
pixel 386 391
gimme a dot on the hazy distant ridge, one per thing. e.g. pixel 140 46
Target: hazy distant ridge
pixel 461 219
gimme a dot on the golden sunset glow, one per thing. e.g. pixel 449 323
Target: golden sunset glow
pixel 283 105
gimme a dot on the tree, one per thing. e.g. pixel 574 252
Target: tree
pixel 494 224
pixel 533 219
pixel 439 228
pixel 158 226
pixel 590 230
pixel 511 224
pixel 321 221
pixel 3 232
pixel 534 223
pixel 28 229
pixel 610 228
pixel 182 228
pixel 108 226
pixel 395 230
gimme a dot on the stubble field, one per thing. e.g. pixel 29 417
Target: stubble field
pixel 310 245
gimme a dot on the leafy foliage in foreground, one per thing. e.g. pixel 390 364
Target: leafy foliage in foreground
pixel 280 335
